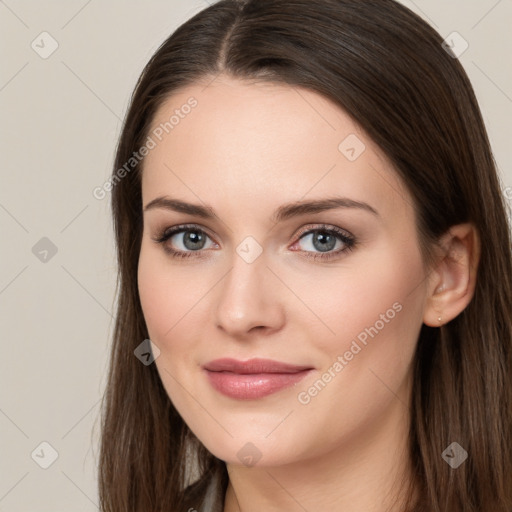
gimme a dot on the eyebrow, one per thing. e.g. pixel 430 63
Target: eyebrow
pixel 282 213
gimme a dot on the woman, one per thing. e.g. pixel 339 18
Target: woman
pixel 311 233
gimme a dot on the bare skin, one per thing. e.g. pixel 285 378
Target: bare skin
pixel 245 150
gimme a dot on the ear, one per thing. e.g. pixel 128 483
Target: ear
pixel 453 279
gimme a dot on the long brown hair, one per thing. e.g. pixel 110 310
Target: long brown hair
pixel 387 69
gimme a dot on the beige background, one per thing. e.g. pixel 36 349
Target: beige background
pixel 60 120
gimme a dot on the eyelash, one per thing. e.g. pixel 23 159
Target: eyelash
pixel 348 240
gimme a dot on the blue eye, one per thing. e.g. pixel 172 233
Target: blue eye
pixel 189 240
pixel 324 239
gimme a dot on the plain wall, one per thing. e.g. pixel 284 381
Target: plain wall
pixel 60 120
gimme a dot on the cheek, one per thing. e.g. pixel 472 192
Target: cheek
pixel 167 312
pixel 375 311
pixel 378 295
pixel 154 301
pixel 161 302
pixel 173 301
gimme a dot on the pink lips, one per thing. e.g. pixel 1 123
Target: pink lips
pixel 252 379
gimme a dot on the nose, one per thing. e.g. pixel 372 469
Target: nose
pixel 249 300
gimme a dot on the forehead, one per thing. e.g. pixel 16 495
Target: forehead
pixel 264 144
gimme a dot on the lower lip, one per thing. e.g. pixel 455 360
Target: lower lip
pixel 252 386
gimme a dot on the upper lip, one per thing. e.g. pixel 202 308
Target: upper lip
pixel 255 366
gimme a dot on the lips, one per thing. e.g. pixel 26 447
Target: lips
pixel 252 379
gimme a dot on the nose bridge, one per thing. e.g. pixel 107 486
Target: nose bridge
pixel 247 298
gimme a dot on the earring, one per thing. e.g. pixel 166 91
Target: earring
pixel 440 320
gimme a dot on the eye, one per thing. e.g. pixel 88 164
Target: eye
pixel 325 242
pixel 321 242
pixel 183 241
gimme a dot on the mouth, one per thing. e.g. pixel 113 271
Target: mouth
pixel 252 379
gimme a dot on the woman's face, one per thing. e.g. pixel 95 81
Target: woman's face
pixel 336 289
